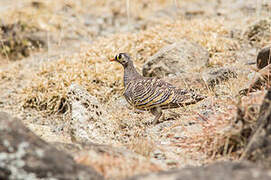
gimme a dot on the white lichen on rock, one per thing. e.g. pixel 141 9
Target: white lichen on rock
pixel 14 162
pixel 89 119
pixel 40 152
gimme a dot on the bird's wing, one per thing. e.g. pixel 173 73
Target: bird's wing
pixel 148 93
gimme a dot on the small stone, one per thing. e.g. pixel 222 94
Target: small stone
pixel 263 58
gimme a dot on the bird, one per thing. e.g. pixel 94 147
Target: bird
pixel 151 93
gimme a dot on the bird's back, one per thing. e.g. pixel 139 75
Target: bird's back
pixel 147 93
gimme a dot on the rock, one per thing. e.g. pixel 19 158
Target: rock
pixel 243 125
pixel 187 81
pixel 112 162
pixel 246 55
pixel 179 57
pixel 84 106
pixel 260 80
pixel 217 75
pixel 259 147
pixel 263 58
pixel 23 155
pixel 88 117
pixel 258 31
pixel 222 170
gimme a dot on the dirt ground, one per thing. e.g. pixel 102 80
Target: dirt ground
pixel 48 45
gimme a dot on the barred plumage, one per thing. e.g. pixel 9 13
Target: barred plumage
pixel 147 93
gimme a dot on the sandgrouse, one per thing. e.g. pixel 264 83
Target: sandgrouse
pixel 150 93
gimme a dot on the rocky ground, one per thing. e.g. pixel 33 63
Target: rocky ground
pixel 55 76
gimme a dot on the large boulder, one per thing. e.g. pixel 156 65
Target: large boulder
pixel 23 155
pixel 179 57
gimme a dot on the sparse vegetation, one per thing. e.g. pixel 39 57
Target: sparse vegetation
pixel 215 129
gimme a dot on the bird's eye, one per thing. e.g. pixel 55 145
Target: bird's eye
pixel 119 56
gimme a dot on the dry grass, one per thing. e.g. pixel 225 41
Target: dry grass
pixel 92 69
pixel 200 134
pixel 67 17
pixel 222 135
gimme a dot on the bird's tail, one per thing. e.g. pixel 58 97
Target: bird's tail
pixel 188 97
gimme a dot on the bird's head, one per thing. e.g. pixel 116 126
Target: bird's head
pixel 122 58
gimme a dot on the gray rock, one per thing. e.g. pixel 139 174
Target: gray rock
pixel 23 155
pixel 188 81
pixel 217 75
pixel 264 57
pixel 222 170
pixel 246 56
pixel 89 120
pixel 259 147
pixel 179 57
pixel 259 80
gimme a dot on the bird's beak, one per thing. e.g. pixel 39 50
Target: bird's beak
pixel 112 59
